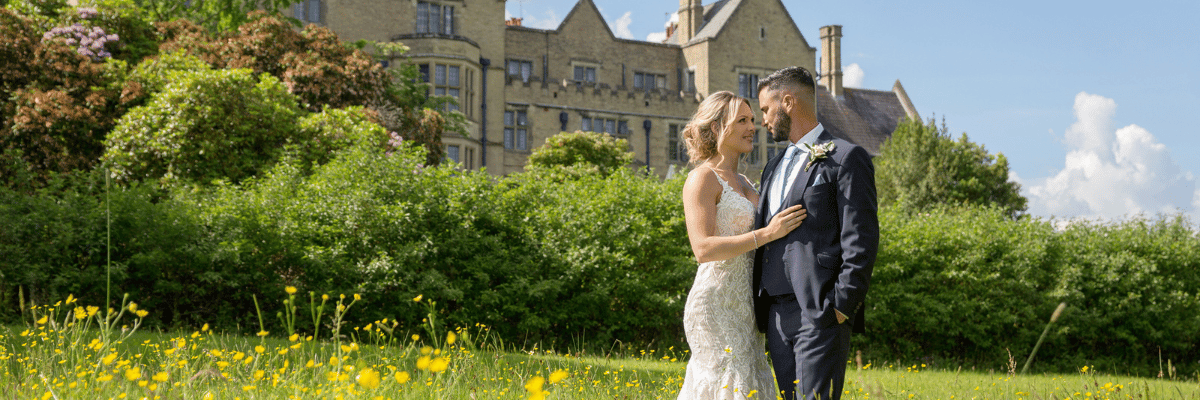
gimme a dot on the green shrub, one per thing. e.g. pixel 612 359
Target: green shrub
pixel 967 284
pixel 622 245
pixel 587 152
pixel 204 126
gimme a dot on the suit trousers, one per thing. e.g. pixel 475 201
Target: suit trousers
pixel 807 359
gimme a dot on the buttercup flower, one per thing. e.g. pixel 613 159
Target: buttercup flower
pixel 368 378
pixel 558 376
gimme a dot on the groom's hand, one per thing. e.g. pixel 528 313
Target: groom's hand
pixel 840 317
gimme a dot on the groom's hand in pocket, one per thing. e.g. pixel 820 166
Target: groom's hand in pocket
pixel 785 221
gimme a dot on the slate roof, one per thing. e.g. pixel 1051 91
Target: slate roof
pixel 861 116
pixel 716 16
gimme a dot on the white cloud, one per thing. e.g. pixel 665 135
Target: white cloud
pixel 1111 173
pixel 659 37
pixel 852 76
pixel 621 26
pixel 550 21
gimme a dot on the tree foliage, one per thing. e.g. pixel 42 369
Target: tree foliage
pixel 323 72
pixel 582 153
pixel 57 99
pixel 213 15
pixel 921 166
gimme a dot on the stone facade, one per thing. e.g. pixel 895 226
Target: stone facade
pixel 509 79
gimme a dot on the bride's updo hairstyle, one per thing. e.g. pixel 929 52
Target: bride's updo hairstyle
pixel 709 126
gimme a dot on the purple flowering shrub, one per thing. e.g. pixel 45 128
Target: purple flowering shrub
pixel 88 41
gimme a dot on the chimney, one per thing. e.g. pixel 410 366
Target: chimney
pixel 514 21
pixel 691 15
pixel 831 59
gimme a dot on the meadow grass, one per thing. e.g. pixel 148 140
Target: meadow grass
pixel 73 352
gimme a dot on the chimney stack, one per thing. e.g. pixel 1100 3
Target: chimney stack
pixel 831 59
pixel 691 15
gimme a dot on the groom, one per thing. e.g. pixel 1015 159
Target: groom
pixel 809 286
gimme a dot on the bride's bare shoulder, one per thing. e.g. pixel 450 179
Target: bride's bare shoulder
pixel 701 181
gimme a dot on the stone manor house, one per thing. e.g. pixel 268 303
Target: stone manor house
pixel 517 86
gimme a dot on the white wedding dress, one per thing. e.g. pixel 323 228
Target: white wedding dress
pixel 728 352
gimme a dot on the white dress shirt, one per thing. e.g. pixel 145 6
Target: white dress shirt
pixel 781 187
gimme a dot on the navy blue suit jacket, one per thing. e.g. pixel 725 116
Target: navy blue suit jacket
pixel 829 258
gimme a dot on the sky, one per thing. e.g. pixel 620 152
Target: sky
pixel 1092 102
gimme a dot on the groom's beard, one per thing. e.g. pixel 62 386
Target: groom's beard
pixel 783 126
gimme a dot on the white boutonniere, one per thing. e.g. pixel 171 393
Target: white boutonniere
pixel 818 153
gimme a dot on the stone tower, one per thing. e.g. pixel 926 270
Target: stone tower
pixel 691 16
pixel 831 59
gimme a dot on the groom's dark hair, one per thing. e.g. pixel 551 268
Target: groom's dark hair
pixel 794 78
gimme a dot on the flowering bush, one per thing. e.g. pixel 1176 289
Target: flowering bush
pixel 88 42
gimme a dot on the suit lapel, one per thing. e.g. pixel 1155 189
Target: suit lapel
pixel 800 185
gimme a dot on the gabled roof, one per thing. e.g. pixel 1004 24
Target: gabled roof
pixel 577 7
pixel 717 16
pixel 862 116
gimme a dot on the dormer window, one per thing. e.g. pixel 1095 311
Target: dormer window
pixel 435 18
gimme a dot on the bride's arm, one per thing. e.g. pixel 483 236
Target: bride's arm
pixel 701 192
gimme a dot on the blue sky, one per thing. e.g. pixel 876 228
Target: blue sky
pixel 1092 102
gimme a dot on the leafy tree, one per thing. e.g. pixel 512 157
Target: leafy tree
pixel 582 153
pixel 323 72
pixel 205 125
pixel 59 97
pixel 213 15
pixel 921 166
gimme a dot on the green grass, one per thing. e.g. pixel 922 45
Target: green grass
pixel 208 364
pixel 67 354
pixel 914 382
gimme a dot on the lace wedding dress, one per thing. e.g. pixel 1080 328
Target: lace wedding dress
pixel 728 360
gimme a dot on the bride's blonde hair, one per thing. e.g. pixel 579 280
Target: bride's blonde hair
pixel 717 110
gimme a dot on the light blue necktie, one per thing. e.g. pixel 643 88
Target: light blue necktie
pixel 780 183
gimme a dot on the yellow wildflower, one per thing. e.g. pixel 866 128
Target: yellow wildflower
pixel 439 364
pixel 43 320
pixel 259 349
pixel 418 298
pixel 132 307
pixel 109 358
pixel 368 378
pixel 402 377
pixel 161 376
pixel 423 363
pixel 290 289
pixel 451 337
pixel 141 313
pixel 558 376
pixel 133 374
pixel 534 384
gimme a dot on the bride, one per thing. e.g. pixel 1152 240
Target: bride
pixel 728 360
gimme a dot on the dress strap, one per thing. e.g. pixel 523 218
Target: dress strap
pixel 719 179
